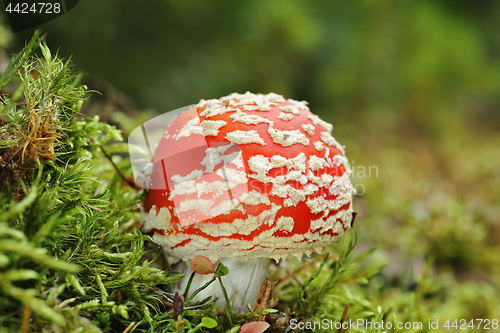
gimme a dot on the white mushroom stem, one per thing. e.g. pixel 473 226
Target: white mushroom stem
pixel 242 283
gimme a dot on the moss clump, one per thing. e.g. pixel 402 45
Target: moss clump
pixel 66 262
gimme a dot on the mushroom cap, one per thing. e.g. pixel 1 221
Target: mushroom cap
pixel 248 175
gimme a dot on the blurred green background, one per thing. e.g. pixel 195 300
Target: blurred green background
pixel 411 87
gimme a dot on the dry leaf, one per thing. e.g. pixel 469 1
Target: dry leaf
pixel 262 298
pixel 178 304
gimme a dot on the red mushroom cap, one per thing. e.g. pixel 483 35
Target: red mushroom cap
pixel 248 175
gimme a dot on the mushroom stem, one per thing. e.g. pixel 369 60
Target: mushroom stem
pixel 242 283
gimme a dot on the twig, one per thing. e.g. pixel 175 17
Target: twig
pixel 92 207
pixel 126 179
pixel 26 319
pixel 281 281
pixel 170 268
pixel 168 296
pixel 344 316
pixel 194 307
pixel 129 327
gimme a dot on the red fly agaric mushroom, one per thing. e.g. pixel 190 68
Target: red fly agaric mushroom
pixel 245 178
